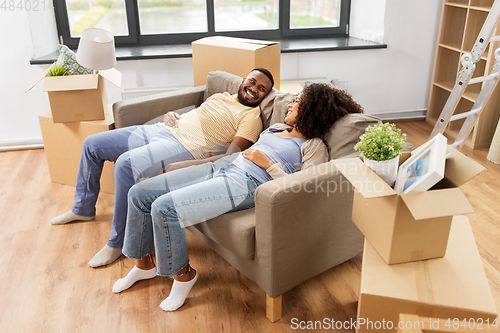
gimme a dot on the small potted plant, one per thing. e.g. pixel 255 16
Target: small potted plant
pixel 380 147
pixel 57 70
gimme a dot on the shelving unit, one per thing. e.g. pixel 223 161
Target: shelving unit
pixel 461 22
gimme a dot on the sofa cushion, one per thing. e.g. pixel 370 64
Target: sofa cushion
pixel 235 231
pixel 159 119
pixel 280 104
pixel 345 133
pixel 219 82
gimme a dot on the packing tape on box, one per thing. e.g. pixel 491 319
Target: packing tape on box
pixel 425 291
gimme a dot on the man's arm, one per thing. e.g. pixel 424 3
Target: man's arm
pixel 238 144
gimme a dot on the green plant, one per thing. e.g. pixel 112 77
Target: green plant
pixel 381 142
pixel 57 70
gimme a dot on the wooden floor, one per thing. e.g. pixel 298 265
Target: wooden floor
pixel 47 286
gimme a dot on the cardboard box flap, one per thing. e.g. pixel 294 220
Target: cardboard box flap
pixel 112 75
pixel 363 178
pixel 38 79
pixel 459 169
pixel 70 82
pixel 227 41
pixel 437 203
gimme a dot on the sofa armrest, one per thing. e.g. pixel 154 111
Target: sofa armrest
pixel 303 225
pixel 137 111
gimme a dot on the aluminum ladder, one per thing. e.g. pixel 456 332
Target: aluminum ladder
pixel 469 61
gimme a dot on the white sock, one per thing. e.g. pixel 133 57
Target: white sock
pixel 178 294
pixel 70 217
pixel 106 256
pixel 136 274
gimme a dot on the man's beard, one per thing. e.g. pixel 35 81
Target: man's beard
pixel 242 100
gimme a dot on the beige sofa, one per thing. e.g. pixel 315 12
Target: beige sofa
pixel 301 224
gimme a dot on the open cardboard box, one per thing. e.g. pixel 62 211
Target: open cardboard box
pixel 78 97
pixel 234 55
pixel 413 226
pixel 454 287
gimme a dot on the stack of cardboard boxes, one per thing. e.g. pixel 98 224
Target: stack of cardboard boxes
pixel 420 256
pixel 78 108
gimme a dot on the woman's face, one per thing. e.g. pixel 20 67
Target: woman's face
pixel 292 111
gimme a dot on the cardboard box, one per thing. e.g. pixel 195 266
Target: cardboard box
pixel 452 287
pixel 63 146
pixel 411 226
pixel 234 55
pixel 79 97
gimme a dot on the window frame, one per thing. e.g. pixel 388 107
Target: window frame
pixel 136 39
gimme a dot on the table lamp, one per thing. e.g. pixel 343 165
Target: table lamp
pixel 96 49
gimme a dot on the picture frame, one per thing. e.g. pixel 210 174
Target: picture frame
pixel 424 168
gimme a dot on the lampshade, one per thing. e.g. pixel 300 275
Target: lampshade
pixel 96 49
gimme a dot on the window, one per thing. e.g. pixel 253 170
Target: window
pixel 148 22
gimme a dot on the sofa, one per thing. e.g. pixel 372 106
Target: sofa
pixel 301 224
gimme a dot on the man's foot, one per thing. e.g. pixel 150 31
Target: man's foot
pixel 106 256
pixel 70 217
pixel 180 290
pixel 136 274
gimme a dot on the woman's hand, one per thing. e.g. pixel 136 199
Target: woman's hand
pixel 171 119
pixel 257 157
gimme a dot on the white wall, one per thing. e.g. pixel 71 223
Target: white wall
pixel 395 79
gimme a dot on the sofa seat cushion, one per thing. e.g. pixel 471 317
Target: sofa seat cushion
pixel 235 231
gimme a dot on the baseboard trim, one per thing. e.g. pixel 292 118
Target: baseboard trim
pixel 401 115
pixel 29 143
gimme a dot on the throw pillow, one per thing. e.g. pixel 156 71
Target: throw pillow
pixel 67 59
pixel 345 133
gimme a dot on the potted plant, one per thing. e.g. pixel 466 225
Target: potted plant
pixel 57 70
pixel 380 147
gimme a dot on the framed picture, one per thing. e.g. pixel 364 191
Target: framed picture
pixel 424 168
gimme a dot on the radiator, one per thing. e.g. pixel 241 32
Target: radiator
pixel 128 93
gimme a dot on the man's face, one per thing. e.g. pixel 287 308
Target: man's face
pixel 254 88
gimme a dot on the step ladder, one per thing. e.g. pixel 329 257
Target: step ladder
pixel 469 61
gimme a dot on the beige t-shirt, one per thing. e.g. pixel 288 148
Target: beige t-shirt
pixel 209 129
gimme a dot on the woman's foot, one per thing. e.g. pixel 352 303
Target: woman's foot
pixel 106 256
pixel 183 282
pixel 70 217
pixel 136 274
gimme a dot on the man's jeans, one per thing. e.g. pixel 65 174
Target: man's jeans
pixel 159 208
pixel 138 152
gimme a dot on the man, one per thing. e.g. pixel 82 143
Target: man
pixel 224 123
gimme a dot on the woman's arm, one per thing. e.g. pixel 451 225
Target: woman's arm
pixel 314 152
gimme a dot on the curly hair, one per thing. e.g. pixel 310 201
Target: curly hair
pixel 321 105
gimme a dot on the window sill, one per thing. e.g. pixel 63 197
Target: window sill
pixel 289 45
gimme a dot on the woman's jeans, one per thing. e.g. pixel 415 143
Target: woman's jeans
pixel 138 152
pixel 159 208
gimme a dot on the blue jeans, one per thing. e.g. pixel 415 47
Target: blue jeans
pixel 138 152
pixel 159 208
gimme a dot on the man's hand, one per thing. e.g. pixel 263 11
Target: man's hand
pixel 179 165
pixel 257 157
pixel 171 119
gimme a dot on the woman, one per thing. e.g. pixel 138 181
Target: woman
pixel 160 207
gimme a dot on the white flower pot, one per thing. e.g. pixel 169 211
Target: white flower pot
pixel 387 170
